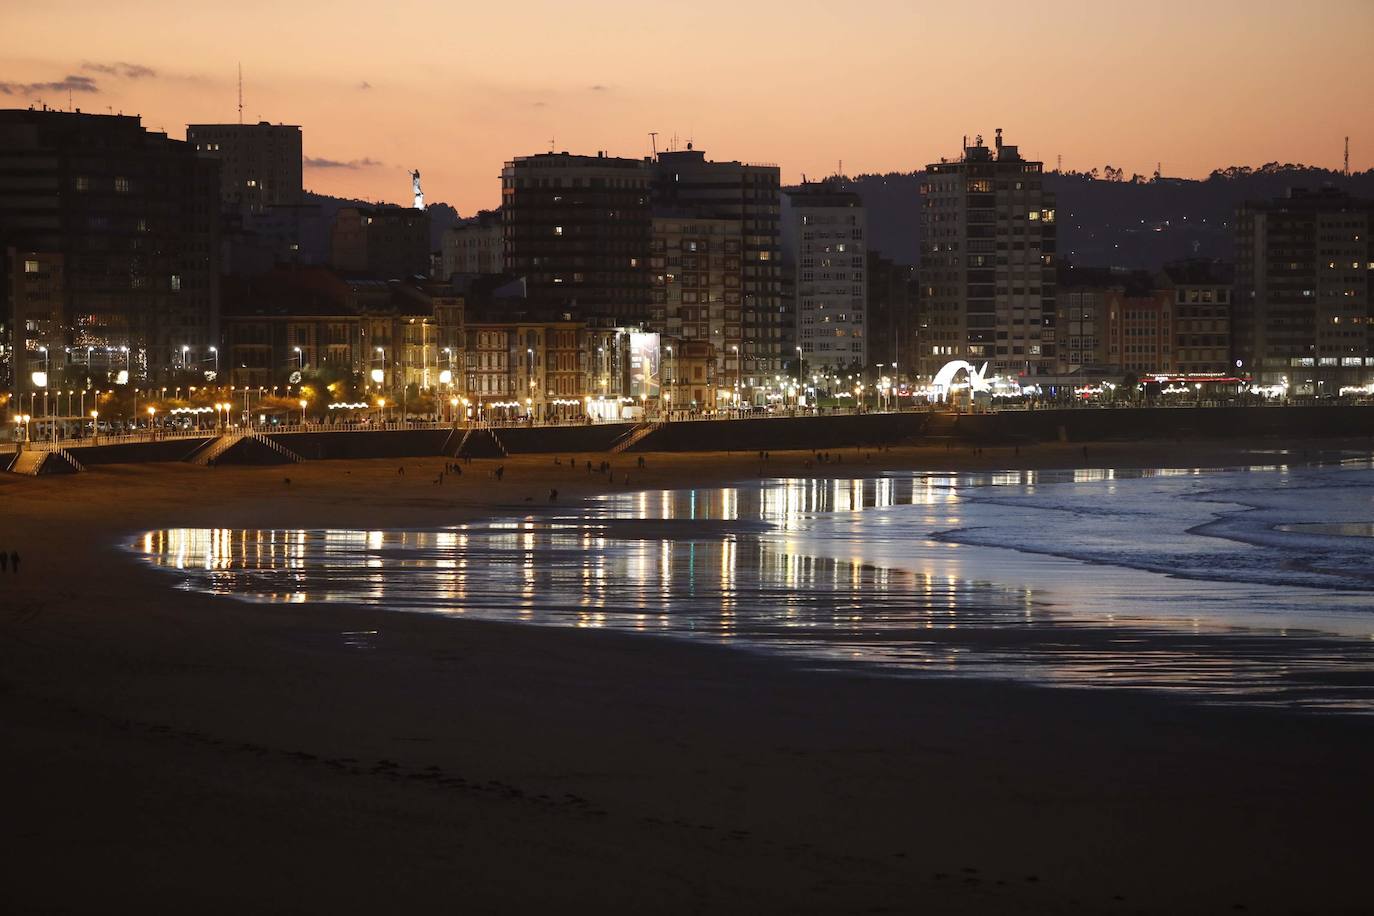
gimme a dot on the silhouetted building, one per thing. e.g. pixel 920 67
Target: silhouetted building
pixel 696 277
pixel 474 247
pixel 1201 291
pixel 385 242
pixel 824 230
pixel 1083 297
pixel 1139 331
pixel 891 327
pixel 987 262
pixel 1303 313
pixel 260 164
pixel 323 325
pixel 687 183
pixel 578 229
pixel 109 235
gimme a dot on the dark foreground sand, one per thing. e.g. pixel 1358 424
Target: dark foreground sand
pixel 165 751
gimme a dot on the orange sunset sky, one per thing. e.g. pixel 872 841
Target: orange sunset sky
pixel 456 88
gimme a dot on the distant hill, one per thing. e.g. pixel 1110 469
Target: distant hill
pixel 441 216
pixel 1137 223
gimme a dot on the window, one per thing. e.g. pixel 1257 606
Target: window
pixel 176 282
pixel 121 185
pixel 30 267
pixel 557 230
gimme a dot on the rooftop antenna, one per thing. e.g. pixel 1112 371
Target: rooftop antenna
pixel 653 141
pixel 1059 163
pixel 1347 150
pixel 240 93
pixel 553 141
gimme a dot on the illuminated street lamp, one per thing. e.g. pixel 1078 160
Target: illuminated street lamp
pixel 379 375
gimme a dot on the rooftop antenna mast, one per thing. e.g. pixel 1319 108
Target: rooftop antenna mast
pixel 1347 157
pixel 653 141
pixel 240 93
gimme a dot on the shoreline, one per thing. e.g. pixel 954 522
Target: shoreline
pixel 206 734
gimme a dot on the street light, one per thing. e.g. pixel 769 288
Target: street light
pixel 303 402
pixel 379 375
pixel 214 351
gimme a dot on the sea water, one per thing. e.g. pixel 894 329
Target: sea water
pixel 1250 585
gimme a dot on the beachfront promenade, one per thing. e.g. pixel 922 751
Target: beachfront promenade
pixel 795 430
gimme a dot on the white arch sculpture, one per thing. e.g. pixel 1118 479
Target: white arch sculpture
pixel 944 379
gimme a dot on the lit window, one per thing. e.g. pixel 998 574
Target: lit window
pixel 557 230
pixel 121 185
pixel 176 281
pixel 30 267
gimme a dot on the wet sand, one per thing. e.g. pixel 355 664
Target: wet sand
pixel 167 750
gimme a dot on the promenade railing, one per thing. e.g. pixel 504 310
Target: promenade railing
pixel 160 433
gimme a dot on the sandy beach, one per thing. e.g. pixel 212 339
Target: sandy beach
pixel 167 750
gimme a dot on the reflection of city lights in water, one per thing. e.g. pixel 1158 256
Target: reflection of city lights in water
pixel 788 566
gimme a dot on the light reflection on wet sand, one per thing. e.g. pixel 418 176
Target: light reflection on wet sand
pixel 789 566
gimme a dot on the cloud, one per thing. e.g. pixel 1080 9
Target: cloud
pixel 364 85
pixel 600 88
pixel 311 162
pixel 119 68
pixel 71 83
pixel 540 104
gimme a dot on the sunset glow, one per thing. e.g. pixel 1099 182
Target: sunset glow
pixel 455 90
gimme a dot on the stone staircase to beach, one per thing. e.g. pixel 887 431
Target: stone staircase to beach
pixel 633 436
pixel 236 446
pixel 216 447
pixel 480 443
pixel 32 462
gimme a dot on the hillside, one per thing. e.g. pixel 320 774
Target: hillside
pixel 1140 223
